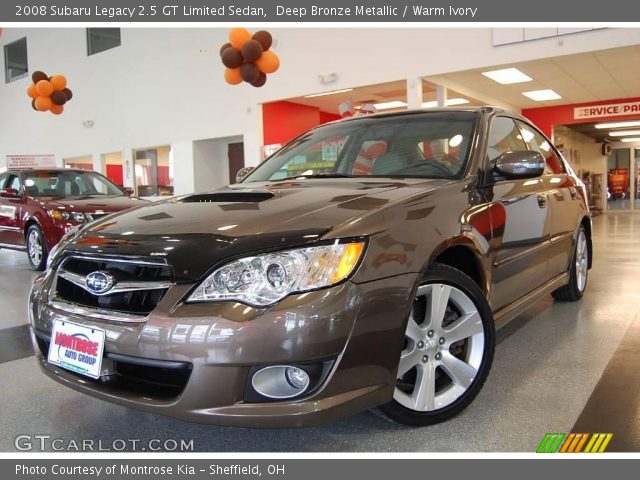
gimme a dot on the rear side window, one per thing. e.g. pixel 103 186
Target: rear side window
pixel 504 137
pixel 535 141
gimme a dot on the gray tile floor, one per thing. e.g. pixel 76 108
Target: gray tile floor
pixel 546 366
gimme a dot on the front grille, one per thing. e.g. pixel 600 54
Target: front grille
pixel 151 381
pixel 138 302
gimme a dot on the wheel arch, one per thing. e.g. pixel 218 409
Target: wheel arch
pixel 463 255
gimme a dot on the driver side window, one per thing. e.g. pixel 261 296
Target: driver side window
pixel 504 136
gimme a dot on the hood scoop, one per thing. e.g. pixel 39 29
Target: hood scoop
pixel 229 197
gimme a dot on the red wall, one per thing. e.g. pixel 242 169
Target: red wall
pixel 546 117
pixel 114 173
pixel 283 121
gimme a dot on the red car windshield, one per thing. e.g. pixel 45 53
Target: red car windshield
pixel 68 184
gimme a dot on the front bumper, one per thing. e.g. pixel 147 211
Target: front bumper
pixel 359 328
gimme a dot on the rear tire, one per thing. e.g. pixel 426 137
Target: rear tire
pixel 448 349
pixel 36 248
pixel 578 274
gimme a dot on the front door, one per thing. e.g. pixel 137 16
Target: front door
pixel 10 211
pixel 519 263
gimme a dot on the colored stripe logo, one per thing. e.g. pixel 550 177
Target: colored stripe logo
pixel 574 443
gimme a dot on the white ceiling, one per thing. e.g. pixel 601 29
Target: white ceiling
pixel 586 77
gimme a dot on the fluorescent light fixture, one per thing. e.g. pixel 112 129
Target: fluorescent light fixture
pixel 632 123
pixel 542 95
pixel 450 103
pixel 631 139
pixel 387 105
pixel 332 92
pixel 507 76
pixel 624 133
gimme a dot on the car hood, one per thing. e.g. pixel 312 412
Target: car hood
pixel 196 232
pixel 91 203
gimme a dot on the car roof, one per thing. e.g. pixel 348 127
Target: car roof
pixel 44 169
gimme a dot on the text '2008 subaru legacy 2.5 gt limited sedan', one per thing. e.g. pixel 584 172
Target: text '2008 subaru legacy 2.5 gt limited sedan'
pixel 366 264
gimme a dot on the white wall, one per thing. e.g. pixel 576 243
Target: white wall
pixel 211 162
pixel 165 86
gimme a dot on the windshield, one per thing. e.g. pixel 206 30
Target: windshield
pixel 429 145
pixel 40 183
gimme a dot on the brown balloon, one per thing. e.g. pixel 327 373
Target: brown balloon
pixel 232 57
pixel 252 50
pixel 262 79
pixel 224 47
pixel 33 104
pixel 58 98
pixel 38 75
pixel 249 72
pixel 264 38
pixel 68 93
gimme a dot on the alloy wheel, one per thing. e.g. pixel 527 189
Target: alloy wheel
pixel 34 247
pixel 443 349
pixel 582 261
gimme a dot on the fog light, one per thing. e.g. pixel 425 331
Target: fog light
pixel 297 378
pixel 280 381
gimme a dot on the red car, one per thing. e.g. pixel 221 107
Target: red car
pixel 38 206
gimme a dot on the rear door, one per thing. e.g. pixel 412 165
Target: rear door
pixel 563 201
pixel 519 256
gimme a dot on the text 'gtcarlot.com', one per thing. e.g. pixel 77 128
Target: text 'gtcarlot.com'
pixel 44 443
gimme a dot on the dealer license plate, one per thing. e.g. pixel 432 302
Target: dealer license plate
pixel 77 348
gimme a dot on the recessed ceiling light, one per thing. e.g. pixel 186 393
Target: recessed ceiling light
pixel 542 95
pixel 632 123
pixel 387 105
pixel 332 92
pixel 507 76
pixel 624 133
pixel 632 139
pixel 451 102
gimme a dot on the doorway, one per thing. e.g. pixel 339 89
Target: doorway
pixel 112 167
pixel 235 154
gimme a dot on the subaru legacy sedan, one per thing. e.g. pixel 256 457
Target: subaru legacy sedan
pixel 367 264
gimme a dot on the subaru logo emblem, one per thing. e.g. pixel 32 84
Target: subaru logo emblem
pixel 99 282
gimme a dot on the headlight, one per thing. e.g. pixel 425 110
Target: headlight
pixel 265 279
pixel 78 217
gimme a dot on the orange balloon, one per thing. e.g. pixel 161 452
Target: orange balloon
pixel 56 109
pixel 232 76
pixel 43 103
pixel 31 91
pixel 58 82
pixel 44 88
pixel 268 62
pixel 239 36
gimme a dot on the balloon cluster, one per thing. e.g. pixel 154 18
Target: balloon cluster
pixel 248 58
pixel 48 93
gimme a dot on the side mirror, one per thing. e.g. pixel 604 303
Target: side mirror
pixel 129 190
pixel 243 173
pixel 10 193
pixel 520 164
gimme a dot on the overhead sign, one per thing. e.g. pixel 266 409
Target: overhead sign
pixel 609 110
pixel 31 161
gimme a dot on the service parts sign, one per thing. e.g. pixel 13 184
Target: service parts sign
pixel 609 110
pixel 77 348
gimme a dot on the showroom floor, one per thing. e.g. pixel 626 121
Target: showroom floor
pixel 547 377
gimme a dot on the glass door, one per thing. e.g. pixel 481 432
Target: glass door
pixel 619 179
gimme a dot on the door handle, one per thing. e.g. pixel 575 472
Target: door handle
pixel 542 200
pixel 574 194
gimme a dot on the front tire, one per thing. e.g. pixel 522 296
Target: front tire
pixel 579 272
pixel 36 248
pixel 448 349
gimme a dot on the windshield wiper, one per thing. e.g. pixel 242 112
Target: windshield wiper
pixel 315 175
